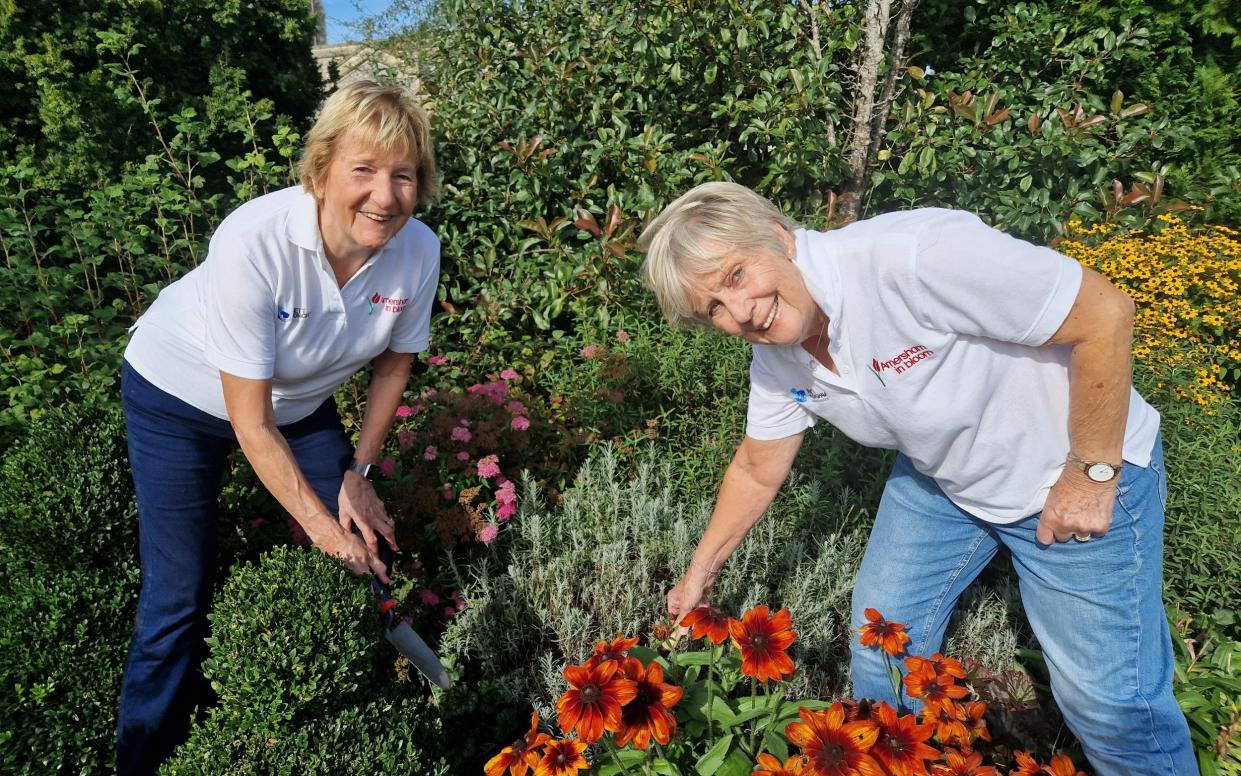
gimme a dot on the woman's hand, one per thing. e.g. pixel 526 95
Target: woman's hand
pixel 1076 507
pixel 342 543
pixel 359 505
pixel 688 594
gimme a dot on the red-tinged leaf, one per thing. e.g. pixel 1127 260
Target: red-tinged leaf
pixel 504 144
pixel 996 118
pixel 1092 121
pixel 1157 194
pixel 1136 109
pixel 548 152
pixel 586 222
pixel 448 307
pixel 1134 197
pixel 614 218
pixel 1065 118
pixel 1118 190
pixel 614 249
pixel 993 100
pixel 1033 124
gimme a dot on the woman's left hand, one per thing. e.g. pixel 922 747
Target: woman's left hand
pixel 360 505
pixel 1077 507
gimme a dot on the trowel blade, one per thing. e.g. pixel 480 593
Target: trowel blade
pixel 411 645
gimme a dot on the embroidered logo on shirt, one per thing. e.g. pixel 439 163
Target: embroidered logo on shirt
pixel 803 395
pixel 387 303
pixel 901 362
pixel 297 314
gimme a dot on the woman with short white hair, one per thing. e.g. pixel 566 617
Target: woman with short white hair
pixel 300 289
pixel 1000 372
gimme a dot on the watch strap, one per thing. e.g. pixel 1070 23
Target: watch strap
pixel 364 470
pixel 1095 466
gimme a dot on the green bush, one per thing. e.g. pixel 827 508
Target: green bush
pixel 67 495
pixel 383 736
pixel 293 637
pixel 64 636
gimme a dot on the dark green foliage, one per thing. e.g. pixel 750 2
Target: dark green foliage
pixel 67 494
pixel 383 736
pixel 78 79
pixel 63 640
pixel 294 637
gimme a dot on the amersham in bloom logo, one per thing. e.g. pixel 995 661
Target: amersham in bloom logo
pixel 388 304
pixel 901 362
pixel 803 395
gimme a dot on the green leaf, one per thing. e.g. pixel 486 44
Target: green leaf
pixel 709 764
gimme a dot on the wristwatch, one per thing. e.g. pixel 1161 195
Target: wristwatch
pixel 1097 471
pixel 365 470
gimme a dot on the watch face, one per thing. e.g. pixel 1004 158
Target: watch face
pixel 1101 472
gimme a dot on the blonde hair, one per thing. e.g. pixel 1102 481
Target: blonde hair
pixel 387 118
pixel 694 234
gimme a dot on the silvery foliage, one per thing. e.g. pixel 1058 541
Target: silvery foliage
pixel 600 564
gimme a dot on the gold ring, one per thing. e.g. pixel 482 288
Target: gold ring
pixel 1082 537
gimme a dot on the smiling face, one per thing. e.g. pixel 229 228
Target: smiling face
pixel 367 196
pixel 760 297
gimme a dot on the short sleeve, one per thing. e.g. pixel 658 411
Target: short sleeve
pixel 240 312
pixel 772 413
pixel 412 331
pixel 972 279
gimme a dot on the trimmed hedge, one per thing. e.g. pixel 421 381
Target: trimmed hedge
pixel 63 641
pixel 294 637
pixel 67 494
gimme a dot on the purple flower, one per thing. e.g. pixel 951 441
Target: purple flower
pixel 506 493
pixel 461 434
pixel 623 336
pixel 509 374
pixel 437 360
pixel 515 407
pixel 387 466
pixel 404 411
pixel 489 533
pixel 521 423
pixel 431 453
pixel 489 467
pixel 590 351
pixel 428 597
pixel 448 494
pixel 506 511
pixel 463 456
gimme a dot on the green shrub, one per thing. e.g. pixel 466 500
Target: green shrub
pixel 294 637
pixel 383 736
pixel 64 636
pixel 67 494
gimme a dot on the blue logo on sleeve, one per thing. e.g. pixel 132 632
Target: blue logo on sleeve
pixel 798 395
pixel 282 314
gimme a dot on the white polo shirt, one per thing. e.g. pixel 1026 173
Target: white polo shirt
pixel 935 325
pixel 265 305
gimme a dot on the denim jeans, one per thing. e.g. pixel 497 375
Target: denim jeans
pixel 178 454
pixel 1095 607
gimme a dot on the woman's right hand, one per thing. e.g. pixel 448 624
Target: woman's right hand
pixel 688 594
pixel 347 546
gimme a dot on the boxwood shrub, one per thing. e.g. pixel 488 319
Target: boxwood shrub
pixel 293 637
pixel 66 492
pixel 63 640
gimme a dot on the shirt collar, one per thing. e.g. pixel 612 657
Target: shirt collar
pixel 302 224
pixel 818 264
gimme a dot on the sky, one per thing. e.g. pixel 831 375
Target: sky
pixel 341 12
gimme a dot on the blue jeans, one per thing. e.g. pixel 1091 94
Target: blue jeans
pixel 178 454
pixel 1095 607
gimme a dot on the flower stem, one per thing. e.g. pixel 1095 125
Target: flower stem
pixel 892 680
pixel 711 696
pixel 611 746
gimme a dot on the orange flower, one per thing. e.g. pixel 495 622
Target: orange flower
pixel 763 639
pixel 519 756
pixel 948 665
pixel 1062 765
pixel 944 719
pixel 832 746
pixel 769 765
pixel 971 715
pixel 1026 765
pixel 963 763
pixel 614 650
pixel 706 622
pixel 926 681
pixel 562 758
pixel 900 747
pixel 593 702
pixel 647 715
pixel 891 636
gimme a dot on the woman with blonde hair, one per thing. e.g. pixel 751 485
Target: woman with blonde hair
pixel 300 289
pixel 999 371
